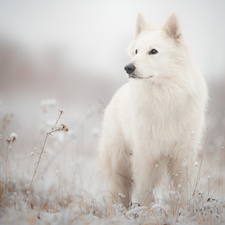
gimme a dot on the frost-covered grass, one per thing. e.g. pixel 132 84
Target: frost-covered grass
pixel 53 179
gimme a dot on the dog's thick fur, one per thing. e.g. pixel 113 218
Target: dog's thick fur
pixel 154 123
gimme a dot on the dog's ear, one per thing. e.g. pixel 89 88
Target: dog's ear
pixel 140 23
pixel 172 26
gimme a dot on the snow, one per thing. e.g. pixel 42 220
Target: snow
pixel 135 210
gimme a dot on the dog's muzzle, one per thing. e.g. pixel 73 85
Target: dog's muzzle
pixel 130 68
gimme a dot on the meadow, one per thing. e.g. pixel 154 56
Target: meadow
pixel 53 177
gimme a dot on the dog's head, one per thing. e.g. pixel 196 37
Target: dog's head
pixel 156 53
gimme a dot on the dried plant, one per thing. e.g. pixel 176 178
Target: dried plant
pixel 62 127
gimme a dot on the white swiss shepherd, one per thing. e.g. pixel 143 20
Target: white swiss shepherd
pixel 154 123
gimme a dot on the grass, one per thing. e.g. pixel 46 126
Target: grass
pixel 59 183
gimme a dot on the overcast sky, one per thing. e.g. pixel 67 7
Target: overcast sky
pixel 95 34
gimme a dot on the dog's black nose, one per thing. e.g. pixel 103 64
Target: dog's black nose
pixel 129 68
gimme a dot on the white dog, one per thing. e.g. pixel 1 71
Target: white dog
pixel 154 123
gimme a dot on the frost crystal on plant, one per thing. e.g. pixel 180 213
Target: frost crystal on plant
pixel 13 136
pixel 121 196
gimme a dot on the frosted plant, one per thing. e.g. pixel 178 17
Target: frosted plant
pixel 10 140
pixel 208 185
pixel 62 127
pixel 61 110
pixel 121 196
pixel 13 136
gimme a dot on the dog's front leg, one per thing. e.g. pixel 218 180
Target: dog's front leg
pixel 146 174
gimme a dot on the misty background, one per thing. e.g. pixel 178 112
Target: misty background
pixel 75 52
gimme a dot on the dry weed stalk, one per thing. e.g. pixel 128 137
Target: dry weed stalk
pixel 54 129
pixel 10 140
pixel 200 167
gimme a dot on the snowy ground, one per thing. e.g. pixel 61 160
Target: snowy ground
pixel 67 187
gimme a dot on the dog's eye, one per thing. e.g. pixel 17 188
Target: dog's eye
pixel 153 51
pixel 136 51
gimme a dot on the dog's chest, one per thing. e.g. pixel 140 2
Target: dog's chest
pixel 154 118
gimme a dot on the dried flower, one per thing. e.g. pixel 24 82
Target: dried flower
pixel 8 139
pixel 63 127
pixel 13 136
pixel 61 110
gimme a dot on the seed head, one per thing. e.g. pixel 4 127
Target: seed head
pixel 61 111
pixel 13 136
pixel 63 127
pixel 8 139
